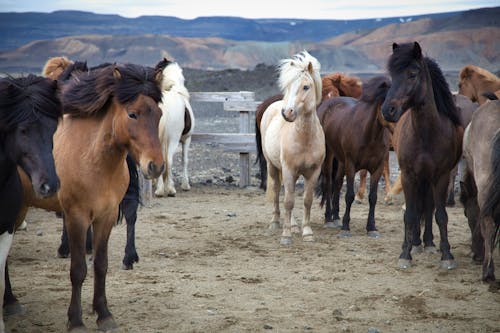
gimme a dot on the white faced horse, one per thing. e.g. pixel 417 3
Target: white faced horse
pixel 176 125
pixel 293 141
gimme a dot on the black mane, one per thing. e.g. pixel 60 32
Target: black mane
pixel 92 91
pixel 405 56
pixel 25 99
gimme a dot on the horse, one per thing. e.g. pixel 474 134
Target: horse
pixel 110 111
pixel 335 84
pixel 428 144
pixel 474 81
pixel 480 183
pixel 356 138
pixel 176 125
pixel 293 142
pixel 29 113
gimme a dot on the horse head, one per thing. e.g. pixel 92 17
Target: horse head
pixel 138 94
pixel 409 79
pixel 29 113
pixel 300 81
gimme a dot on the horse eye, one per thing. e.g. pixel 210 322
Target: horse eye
pixel 412 75
pixel 306 87
pixel 132 115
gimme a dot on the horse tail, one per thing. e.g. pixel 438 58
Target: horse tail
pixel 491 206
pixel 321 188
pixel 260 157
pixel 133 187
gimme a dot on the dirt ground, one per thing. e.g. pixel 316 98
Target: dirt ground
pixel 208 263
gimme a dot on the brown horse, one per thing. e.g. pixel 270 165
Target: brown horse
pixel 427 137
pixel 335 84
pixel 111 111
pixel 293 142
pixel 480 184
pixel 356 138
pixel 475 81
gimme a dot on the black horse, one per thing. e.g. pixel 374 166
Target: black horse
pixel 29 112
pixel 428 143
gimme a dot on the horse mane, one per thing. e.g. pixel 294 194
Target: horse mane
pixel 290 69
pixel 74 69
pixel 375 90
pixel 469 70
pixel 443 98
pixel 27 99
pixel 173 77
pixel 341 85
pixel 54 67
pixel 89 94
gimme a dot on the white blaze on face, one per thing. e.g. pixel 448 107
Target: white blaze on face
pixel 5 244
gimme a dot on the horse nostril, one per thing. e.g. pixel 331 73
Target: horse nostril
pixel 45 189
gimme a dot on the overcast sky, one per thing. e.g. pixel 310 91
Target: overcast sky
pixel 305 9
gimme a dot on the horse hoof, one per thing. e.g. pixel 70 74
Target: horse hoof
pixel 449 264
pixel 274 226
pixel 333 225
pixel 373 234
pixel 308 238
pixel 78 329
pixel 13 309
pixel 185 187
pixel 286 241
pixel 430 249
pixel 61 254
pixel 358 201
pixel 417 249
pixel 23 226
pixel 159 194
pixel 345 234
pixel 127 267
pixel 171 194
pixel 404 263
pixel 388 201
pixel 295 230
pixel 107 324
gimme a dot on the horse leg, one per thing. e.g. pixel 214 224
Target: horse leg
pixel 102 230
pixel 387 178
pixel 371 228
pixel 411 219
pixel 396 188
pixel 63 250
pixel 289 201
pixel 170 190
pixel 429 245
pixel 129 208
pixel 11 305
pixel 185 160
pixel 360 195
pixel 327 189
pixel 5 244
pixel 309 185
pixel 349 198
pixel 337 187
pixel 488 232
pixel 77 232
pixel 440 191
pixel 450 200
pixel 273 192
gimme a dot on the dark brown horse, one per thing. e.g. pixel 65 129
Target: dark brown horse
pixel 356 138
pixel 480 184
pixel 427 140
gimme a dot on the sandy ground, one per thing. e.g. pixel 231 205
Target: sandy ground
pixel 208 263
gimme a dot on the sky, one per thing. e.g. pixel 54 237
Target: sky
pixel 293 9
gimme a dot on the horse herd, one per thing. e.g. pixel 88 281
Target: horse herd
pixel 72 142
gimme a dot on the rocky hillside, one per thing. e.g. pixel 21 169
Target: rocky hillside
pixel 454 41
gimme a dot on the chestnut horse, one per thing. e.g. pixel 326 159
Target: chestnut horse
pixel 335 84
pixel 475 81
pixel 29 112
pixel 356 138
pixel 111 111
pixel 480 184
pixel 427 140
pixel 293 142
pixel 176 125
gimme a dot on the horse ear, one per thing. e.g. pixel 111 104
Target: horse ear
pixel 417 50
pixel 394 46
pixel 116 73
pixel 310 68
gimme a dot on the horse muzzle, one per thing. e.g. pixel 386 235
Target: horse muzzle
pixel 391 112
pixel 289 115
pixel 153 170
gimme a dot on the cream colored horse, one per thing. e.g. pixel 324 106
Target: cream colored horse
pixel 293 141
pixel 176 125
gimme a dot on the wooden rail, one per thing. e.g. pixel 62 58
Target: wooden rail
pixel 242 142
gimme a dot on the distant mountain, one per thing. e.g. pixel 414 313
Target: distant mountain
pixel 453 39
pixel 18 29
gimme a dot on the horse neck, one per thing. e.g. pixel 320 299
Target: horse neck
pixel 426 116
pixel 306 123
pixel 374 122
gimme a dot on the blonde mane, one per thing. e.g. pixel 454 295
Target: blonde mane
pixel 55 66
pixel 291 69
pixel 173 79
